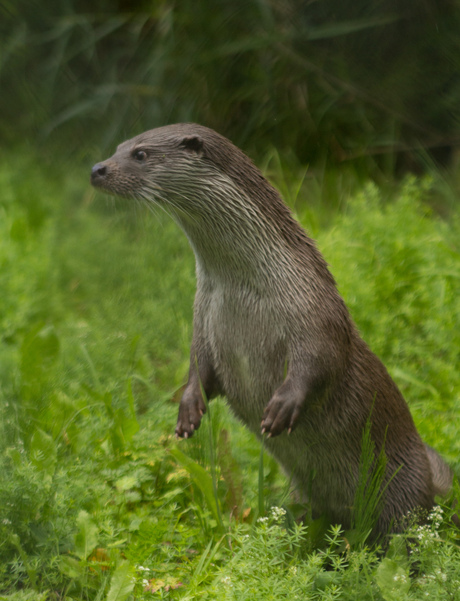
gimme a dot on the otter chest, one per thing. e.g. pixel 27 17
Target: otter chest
pixel 247 342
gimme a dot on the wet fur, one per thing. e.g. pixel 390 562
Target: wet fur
pixel 271 332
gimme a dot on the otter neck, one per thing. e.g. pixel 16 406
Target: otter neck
pixel 234 254
pixel 235 243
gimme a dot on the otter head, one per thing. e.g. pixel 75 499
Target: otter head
pixel 206 184
pixel 154 165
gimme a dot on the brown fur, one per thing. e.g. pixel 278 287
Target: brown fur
pixel 271 332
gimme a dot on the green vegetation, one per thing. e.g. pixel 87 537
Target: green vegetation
pixel 97 499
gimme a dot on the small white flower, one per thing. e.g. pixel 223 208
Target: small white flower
pixel 278 513
pixel 262 520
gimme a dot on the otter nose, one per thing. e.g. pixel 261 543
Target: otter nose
pixel 98 172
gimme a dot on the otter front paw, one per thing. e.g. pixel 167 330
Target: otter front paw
pixel 191 410
pixel 280 414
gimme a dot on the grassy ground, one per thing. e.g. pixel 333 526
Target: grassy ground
pixel 98 501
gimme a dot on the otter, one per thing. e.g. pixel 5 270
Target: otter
pixel 271 332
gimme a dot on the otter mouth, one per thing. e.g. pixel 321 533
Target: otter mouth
pixel 99 175
pixel 109 179
pixel 103 179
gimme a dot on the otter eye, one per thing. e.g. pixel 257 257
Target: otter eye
pixel 140 155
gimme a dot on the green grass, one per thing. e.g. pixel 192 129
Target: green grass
pixel 97 499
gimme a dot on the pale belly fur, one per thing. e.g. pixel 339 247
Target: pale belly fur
pixel 248 352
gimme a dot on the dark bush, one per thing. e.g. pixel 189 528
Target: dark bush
pixel 331 80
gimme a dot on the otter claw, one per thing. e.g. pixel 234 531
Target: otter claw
pixel 280 414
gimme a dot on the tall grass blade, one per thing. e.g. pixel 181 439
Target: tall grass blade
pixel 261 499
pixel 204 482
pixel 371 486
pixel 230 472
pixel 212 459
pixel 208 555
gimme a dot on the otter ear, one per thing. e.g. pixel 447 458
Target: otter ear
pixel 193 143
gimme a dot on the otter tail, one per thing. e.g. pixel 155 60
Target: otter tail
pixel 441 472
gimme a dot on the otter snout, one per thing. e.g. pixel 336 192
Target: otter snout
pixel 98 174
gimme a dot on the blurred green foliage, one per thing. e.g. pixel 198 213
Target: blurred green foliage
pixel 373 82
